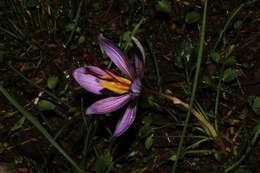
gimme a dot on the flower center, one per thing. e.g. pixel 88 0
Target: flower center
pixel 136 87
pixel 114 83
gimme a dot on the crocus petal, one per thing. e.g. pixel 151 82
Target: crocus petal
pixel 116 56
pixel 95 70
pixel 136 87
pixel 87 81
pixel 139 58
pixel 139 66
pixel 108 105
pixel 140 47
pixel 126 120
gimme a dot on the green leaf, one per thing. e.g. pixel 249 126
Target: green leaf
pixel 247 66
pixel 230 61
pixel 183 55
pixel 229 75
pixel 70 27
pixel 237 24
pixel 145 131
pixel 153 102
pixel 192 17
pixel 148 159
pixel 147 120
pixel 133 153
pixel 149 142
pixel 82 39
pixel 126 36
pixel 215 57
pixel 254 102
pixel 173 157
pixel 217 155
pixel 3 147
pixel 78 29
pixel 127 40
pixel 104 164
pixel 164 6
pixel 52 82
pixel 45 105
pixel 19 124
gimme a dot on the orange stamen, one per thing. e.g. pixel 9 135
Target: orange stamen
pixel 116 83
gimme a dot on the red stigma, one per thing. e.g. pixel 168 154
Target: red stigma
pixel 87 56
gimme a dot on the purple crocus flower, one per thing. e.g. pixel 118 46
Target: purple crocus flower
pixel 126 89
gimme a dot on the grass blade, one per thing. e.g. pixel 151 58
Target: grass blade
pixel 199 60
pixel 76 23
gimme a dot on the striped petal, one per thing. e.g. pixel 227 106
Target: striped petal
pixel 136 87
pixel 95 70
pixel 116 56
pixel 87 81
pixel 139 58
pixel 140 47
pixel 139 66
pixel 108 105
pixel 126 120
